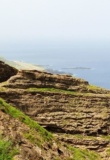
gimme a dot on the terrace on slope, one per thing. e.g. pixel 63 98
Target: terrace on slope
pixel 64 105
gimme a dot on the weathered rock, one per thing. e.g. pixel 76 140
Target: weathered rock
pixel 27 79
pixel 75 114
pixel 6 71
pixel 86 111
pixel 36 79
pixel 16 131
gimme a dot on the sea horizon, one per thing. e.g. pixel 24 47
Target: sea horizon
pixel 96 72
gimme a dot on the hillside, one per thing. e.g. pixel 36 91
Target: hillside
pixel 48 116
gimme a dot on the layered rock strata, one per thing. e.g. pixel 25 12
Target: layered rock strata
pixel 76 112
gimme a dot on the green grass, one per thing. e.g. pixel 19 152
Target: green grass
pixel 7 150
pixel 108 152
pixel 55 90
pixel 106 137
pixel 83 154
pixel 34 126
pixel 75 93
pixel 95 88
pixel 35 138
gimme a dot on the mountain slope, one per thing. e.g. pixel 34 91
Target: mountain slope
pixel 30 139
pixel 76 114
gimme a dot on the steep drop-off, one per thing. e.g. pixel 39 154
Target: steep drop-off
pixel 77 114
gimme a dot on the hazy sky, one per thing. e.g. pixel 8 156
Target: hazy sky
pixel 39 22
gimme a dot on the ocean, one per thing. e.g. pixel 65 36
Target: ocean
pixel 91 65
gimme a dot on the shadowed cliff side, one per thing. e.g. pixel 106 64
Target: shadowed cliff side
pixel 6 71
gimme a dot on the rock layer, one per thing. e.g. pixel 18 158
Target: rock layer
pixel 75 114
pixel 65 105
pixel 26 79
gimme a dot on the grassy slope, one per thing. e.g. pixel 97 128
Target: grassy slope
pixel 44 136
pixel 7 150
pixel 15 113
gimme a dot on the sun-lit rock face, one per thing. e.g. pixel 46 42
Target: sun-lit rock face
pixel 26 78
pixel 6 71
pixel 76 112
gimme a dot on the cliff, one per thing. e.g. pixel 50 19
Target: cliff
pixel 73 116
pixel 6 71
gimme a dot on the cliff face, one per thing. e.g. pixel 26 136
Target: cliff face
pixel 28 139
pixel 27 79
pixel 77 113
pixel 6 71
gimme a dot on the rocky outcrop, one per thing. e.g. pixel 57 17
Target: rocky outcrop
pixel 6 71
pixel 27 79
pixel 68 115
pixel 28 142
pixel 71 114
pixel 36 79
pixel 64 105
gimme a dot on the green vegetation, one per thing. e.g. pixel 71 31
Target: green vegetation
pixel 75 93
pixel 34 138
pixel 83 154
pixel 2 89
pixel 7 151
pixel 106 137
pixel 108 152
pixel 34 126
pixel 95 88
pixel 31 136
pixel 55 90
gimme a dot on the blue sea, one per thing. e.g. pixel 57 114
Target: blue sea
pixel 91 64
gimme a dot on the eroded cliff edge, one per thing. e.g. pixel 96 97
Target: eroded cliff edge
pixel 78 114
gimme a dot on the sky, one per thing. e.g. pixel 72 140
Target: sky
pixel 34 25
